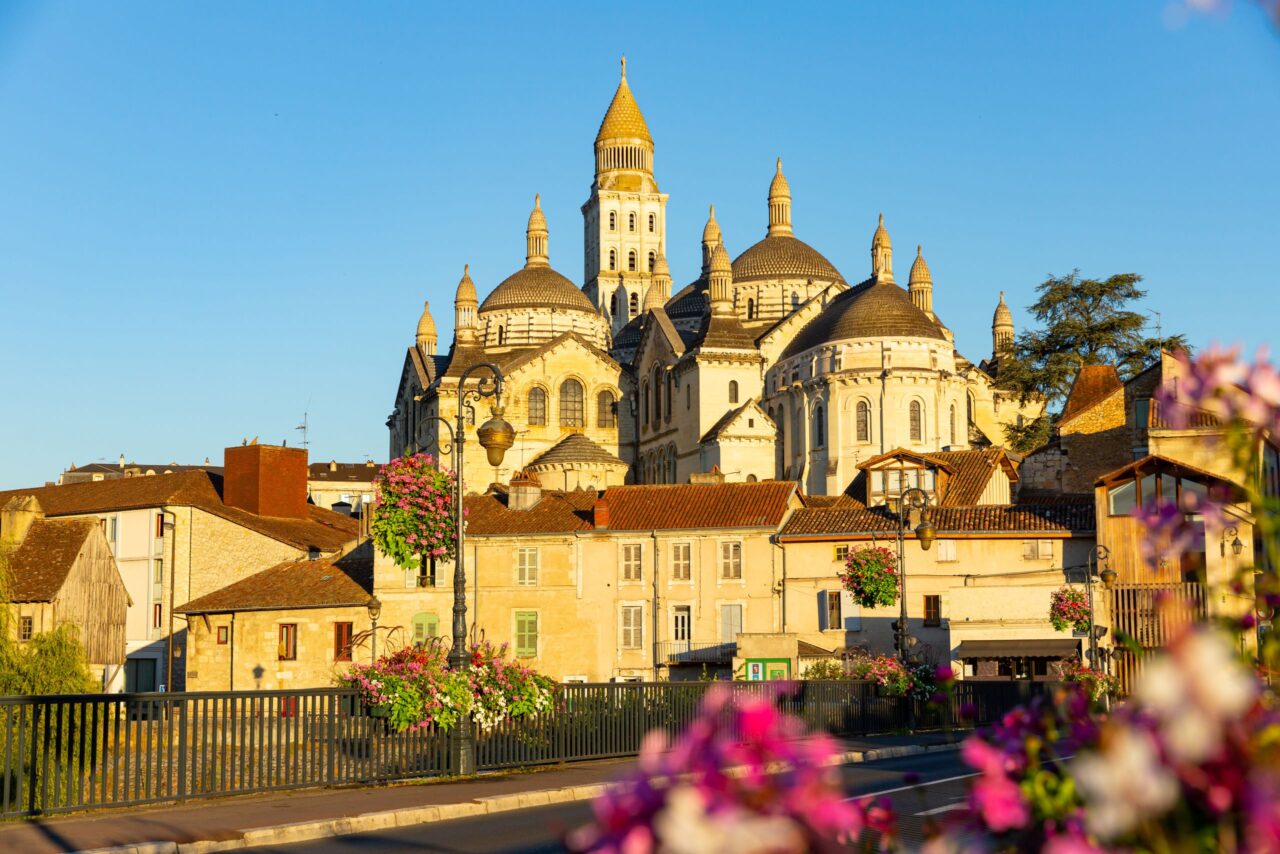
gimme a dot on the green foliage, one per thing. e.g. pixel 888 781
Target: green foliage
pixel 825 668
pixel 1080 322
pixel 413 511
pixel 1025 438
pixel 870 573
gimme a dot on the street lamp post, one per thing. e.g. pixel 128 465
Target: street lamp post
pixel 495 436
pixel 1097 557
pixel 1232 534
pixel 911 498
pixel 375 611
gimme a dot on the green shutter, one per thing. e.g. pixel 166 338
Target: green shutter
pixel 526 634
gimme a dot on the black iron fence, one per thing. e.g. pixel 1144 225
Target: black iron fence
pixel 76 752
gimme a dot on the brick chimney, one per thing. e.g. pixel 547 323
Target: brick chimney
pixel 267 480
pixel 526 491
pixel 600 513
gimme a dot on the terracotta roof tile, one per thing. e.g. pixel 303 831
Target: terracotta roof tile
pixel 1016 518
pixel 322 529
pixel 328 583
pixel 555 513
pixel 1092 384
pixel 973 470
pixel 683 506
pixel 39 566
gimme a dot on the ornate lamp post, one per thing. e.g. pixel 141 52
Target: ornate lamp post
pixel 375 611
pixel 1237 547
pixel 1098 556
pixel 911 498
pixel 496 437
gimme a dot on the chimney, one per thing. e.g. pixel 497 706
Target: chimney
pixel 526 491
pixel 267 480
pixel 600 513
pixel 713 476
pixel 122 461
pixel 17 517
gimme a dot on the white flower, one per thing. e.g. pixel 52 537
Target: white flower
pixel 1123 783
pixel 684 827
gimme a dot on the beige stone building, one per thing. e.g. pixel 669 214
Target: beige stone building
pixel 768 365
pixel 178 536
pixel 335 483
pixel 61 571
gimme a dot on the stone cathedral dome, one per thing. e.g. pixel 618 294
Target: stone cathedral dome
pixel 870 310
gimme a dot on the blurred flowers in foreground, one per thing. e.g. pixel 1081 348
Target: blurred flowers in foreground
pixel 743 777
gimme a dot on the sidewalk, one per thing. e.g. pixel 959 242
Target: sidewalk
pixel 195 827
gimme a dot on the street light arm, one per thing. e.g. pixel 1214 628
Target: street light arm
pixel 490 386
pixel 443 448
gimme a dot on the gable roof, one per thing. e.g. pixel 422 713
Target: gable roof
pixel 731 416
pixel 39 566
pixel 1092 385
pixel 326 583
pixel 685 506
pixel 970 471
pixel 512 361
pixel 322 529
pixel 575 448
pixel 1154 462
pixel 554 513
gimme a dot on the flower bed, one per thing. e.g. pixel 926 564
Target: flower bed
pixel 871 574
pixel 1069 609
pixel 415 688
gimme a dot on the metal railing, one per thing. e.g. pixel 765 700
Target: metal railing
pixel 75 752
pixel 691 652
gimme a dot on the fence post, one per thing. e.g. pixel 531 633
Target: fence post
pixel 180 712
pixel 330 737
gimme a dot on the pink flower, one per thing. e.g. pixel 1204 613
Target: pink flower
pixel 999 801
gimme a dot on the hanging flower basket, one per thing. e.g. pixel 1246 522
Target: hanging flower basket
pixel 871 574
pixel 413 511
pixel 1069 609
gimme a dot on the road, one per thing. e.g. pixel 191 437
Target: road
pixel 537 830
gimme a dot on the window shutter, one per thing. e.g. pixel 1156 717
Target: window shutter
pixel 411 578
pixel 850 611
pixel 1046 549
pixel 822 611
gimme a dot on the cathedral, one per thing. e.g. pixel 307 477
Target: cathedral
pixel 770 365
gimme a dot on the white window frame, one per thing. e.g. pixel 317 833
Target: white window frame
pixel 688 562
pixel 624 563
pixel 740 578
pixel 631 637
pixel 527 574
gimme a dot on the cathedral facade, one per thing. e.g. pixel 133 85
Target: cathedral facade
pixel 770 365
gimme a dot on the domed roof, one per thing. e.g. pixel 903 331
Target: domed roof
pixel 779 186
pixel 537 219
pixel 783 257
pixel 711 232
pixel 920 270
pixel 690 302
pixel 720 259
pixel 870 310
pixel 537 287
pixel 426 324
pixel 466 288
pixel 623 119
pixel 881 236
pixel 1003 317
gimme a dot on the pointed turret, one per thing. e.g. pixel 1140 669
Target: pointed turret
pixel 779 205
pixel 623 142
pixel 465 304
pixel 660 288
pixel 710 239
pixel 882 254
pixel 426 338
pixel 721 281
pixel 921 283
pixel 1002 330
pixel 536 236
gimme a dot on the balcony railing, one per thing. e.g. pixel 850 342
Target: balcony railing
pixel 692 652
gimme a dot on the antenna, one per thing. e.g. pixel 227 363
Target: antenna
pixel 303 428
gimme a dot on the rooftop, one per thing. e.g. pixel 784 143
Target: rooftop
pixel 39 566
pixel 325 583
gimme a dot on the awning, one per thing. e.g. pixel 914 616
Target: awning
pixel 1038 648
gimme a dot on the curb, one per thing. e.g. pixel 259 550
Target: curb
pixel 307 831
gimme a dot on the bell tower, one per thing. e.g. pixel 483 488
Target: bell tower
pixel 625 218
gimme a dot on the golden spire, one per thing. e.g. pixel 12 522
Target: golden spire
pixel 623 119
pixel 426 337
pixel 882 254
pixel 536 236
pixel 710 237
pixel 464 308
pixel 779 204
pixel 920 270
pixel 720 285
pixel 921 283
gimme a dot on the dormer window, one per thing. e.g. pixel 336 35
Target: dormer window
pixel 886 485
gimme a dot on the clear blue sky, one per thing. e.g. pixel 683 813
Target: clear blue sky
pixel 216 216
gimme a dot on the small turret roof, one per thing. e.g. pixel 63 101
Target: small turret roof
pixel 920 270
pixel 623 119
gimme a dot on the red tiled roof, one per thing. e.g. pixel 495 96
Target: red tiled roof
pixel 1092 384
pixel 1016 518
pixel 328 583
pixel 714 505
pixel 39 566
pixel 972 472
pixel 343 472
pixel 322 529
pixel 555 513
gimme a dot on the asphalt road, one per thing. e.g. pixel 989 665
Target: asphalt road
pixel 941 789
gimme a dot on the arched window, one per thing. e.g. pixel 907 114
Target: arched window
pixel 751 309
pixel 953 424
pixel 653 223
pixel 537 407
pixel 635 304
pixel 613 304
pixel 916 421
pixel 863 426
pixel 571 404
pixel 818 438
pixel 751 478
pixel 653 261
pixel 502 336
pixel 657 395
pixel 613 221
pixel 613 259
pixel 733 391
pixel 644 403
pixel 631 261
pixel 606 409
pixel 631 222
